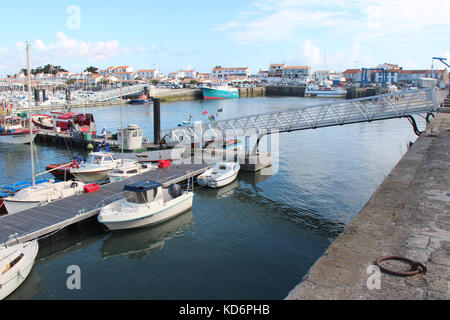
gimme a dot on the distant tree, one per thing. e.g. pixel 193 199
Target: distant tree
pixel 70 81
pixel 217 67
pixel 193 81
pixel 91 69
pixel 155 81
pixel 48 69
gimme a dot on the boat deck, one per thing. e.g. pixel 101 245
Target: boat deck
pixel 36 222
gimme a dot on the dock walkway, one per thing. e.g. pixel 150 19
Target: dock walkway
pixel 408 216
pixel 42 220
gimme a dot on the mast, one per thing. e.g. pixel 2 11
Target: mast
pixel 121 119
pixel 29 111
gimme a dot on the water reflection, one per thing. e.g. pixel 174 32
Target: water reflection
pixel 219 193
pixel 76 240
pixel 141 243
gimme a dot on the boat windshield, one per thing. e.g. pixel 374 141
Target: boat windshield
pixel 94 159
pixel 141 197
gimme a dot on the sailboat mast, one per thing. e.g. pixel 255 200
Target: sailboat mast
pixel 29 116
pixel 121 119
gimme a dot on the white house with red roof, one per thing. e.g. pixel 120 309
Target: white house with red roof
pixel 181 74
pixel 276 70
pixel 225 73
pixel 146 73
pixel 296 72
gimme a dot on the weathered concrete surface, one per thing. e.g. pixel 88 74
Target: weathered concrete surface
pixel 409 216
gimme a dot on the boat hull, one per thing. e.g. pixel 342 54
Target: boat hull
pixel 62 173
pixel 217 183
pixel 16 138
pixel 326 93
pixel 14 206
pixel 215 94
pixel 139 101
pixel 152 219
pixel 20 271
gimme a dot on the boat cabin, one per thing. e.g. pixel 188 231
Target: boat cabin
pixel 132 137
pixel 144 192
pixel 11 123
pixel 80 122
pixel 99 158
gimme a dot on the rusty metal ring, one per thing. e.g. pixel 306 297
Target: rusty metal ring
pixel 416 267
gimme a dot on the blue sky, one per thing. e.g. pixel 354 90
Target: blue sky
pixel 201 34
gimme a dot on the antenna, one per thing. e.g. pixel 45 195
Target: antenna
pixel 29 116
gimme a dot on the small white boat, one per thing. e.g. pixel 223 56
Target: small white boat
pixel 96 167
pixel 146 204
pixel 16 263
pixel 129 170
pixel 41 194
pixel 325 92
pixel 220 175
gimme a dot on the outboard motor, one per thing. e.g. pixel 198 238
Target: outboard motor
pixel 175 190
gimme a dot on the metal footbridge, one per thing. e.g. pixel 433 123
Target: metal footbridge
pixel 380 107
pixel 115 93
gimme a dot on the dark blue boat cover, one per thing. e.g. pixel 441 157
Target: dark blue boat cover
pixel 142 186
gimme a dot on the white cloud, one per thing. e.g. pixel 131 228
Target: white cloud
pixel 271 21
pixel 65 51
pixel 310 54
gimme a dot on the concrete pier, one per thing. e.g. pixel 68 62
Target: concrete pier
pixel 408 216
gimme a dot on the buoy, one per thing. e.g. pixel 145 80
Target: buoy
pixel 90 146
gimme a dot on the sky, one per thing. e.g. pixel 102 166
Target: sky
pixel 198 34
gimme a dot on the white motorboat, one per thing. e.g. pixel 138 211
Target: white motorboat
pixel 16 263
pixel 146 204
pixel 96 167
pixel 41 194
pixel 129 170
pixel 220 175
pixel 325 92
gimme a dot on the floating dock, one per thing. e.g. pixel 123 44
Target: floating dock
pixel 42 220
pixel 407 216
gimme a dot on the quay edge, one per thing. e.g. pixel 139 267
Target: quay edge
pixel 408 216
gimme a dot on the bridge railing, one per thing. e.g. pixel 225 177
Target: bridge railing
pixel 115 93
pixel 386 106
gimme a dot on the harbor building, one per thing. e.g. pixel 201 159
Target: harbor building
pixel 226 73
pixel 147 74
pixel 182 74
pixel 291 72
pixel 352 75
pixel 276 70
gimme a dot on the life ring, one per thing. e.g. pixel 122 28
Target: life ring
pixel 75 164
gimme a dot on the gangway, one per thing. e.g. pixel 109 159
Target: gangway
pixel 380 107
pixel 115 93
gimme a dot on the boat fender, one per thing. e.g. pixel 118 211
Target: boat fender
pixel 75 164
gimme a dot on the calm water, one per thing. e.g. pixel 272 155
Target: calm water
pixel 254 239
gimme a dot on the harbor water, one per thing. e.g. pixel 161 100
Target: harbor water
pixel 253 239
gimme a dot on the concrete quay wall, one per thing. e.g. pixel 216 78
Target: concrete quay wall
pixel 285 91
pixel 408 216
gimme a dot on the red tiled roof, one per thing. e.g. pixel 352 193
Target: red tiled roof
pixel 296 67
pixel 230 68
pixel 352 71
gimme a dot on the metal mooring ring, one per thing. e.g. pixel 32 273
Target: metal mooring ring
pixel 416 267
